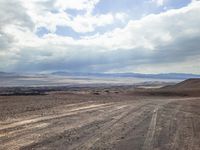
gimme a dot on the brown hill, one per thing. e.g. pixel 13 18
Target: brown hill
pixel 193 83
pixel 189 87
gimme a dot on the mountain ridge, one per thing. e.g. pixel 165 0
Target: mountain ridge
pixel 137 75
pixel 181 76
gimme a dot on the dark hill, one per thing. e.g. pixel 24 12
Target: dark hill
pixel 193 83
pixel 189 88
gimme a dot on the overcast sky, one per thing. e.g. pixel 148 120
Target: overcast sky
pixel 143 36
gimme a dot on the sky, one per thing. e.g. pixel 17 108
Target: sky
pixel 105 36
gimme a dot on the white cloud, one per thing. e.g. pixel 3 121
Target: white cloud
pixel 88 23
pixel 159 2
pixel 154 30
pixel 121 16
pixel 85 22
pixel 87 5
pixel 148 44
pixel 44 16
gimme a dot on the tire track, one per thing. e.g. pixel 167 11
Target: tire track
pixel 45 118
pixel 174 142
pixel 148 143
pixel 30 132
pixel 93 138
pixel 103 123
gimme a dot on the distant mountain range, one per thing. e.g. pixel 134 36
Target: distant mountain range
pixel 135 75
pixel 5 74
pixel 180 76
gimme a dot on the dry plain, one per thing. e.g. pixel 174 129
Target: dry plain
pixel 101 118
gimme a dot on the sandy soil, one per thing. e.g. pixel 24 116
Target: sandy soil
pixel 99 120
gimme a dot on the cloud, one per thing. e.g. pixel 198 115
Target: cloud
pixel 12 12
pixel 87 5
pixel 54 13
pixel 159 2
pixel 164 42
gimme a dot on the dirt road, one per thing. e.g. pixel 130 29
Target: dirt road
pixel 154 123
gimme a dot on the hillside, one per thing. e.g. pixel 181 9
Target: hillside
pixel 193 83
pixel 189 88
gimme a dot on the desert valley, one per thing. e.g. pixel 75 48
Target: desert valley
pixel 101 117
pixel 99 74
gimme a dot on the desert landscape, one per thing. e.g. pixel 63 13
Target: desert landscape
pixel 102 117
pixel 99 74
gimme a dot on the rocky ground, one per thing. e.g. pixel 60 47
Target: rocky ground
pixel 101 119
